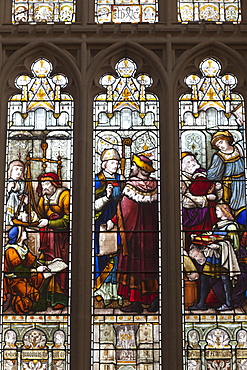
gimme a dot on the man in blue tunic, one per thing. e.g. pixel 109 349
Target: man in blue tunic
pixel 228 167
pixel 107 195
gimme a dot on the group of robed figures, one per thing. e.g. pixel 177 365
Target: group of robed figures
pixel 126 239
pixel 214 227
pixel 126 244
pixel 38 278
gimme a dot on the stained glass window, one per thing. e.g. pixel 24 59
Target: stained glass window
pixel 36 252
pixel 126 223
pixel 122 11
pixel 48 11
pixel 213 11
pixel 213 198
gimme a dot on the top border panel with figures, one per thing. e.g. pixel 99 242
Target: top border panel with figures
pixel 42 11
pixel 211 11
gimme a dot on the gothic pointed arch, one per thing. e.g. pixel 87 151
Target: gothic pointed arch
pixel 144 58
pixel 213 136
pixel 20 60
pixel 191 59
pixel 126 136
pixel 37 233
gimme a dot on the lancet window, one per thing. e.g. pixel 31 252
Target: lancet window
pixel 132 11
pixel 213 214
pixel 37 223
pixel 126 223
pixel 36 11
pixel 213 11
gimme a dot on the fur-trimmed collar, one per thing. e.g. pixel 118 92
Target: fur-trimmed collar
pixel 138 195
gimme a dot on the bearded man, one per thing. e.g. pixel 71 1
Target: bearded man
pixel 137 219
pixel 53 206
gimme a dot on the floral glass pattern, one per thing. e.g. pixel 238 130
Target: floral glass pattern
pixel 211 11
pixel 126 223
pixel 37 227
pixel 36 11
pixel 213 215
pixel 132 11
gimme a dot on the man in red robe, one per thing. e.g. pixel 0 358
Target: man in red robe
pixel 138 224
pixel 199 197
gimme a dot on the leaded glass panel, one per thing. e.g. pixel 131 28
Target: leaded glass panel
pixel 212 11
pixel 126 223
pixel 122 11
pixel 37 228
pixel 48 11
pixel 213 215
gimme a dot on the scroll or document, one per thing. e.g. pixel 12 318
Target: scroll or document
pixel 54 266
pixel 107 241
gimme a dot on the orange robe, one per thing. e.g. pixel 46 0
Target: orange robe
pixel 23 284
